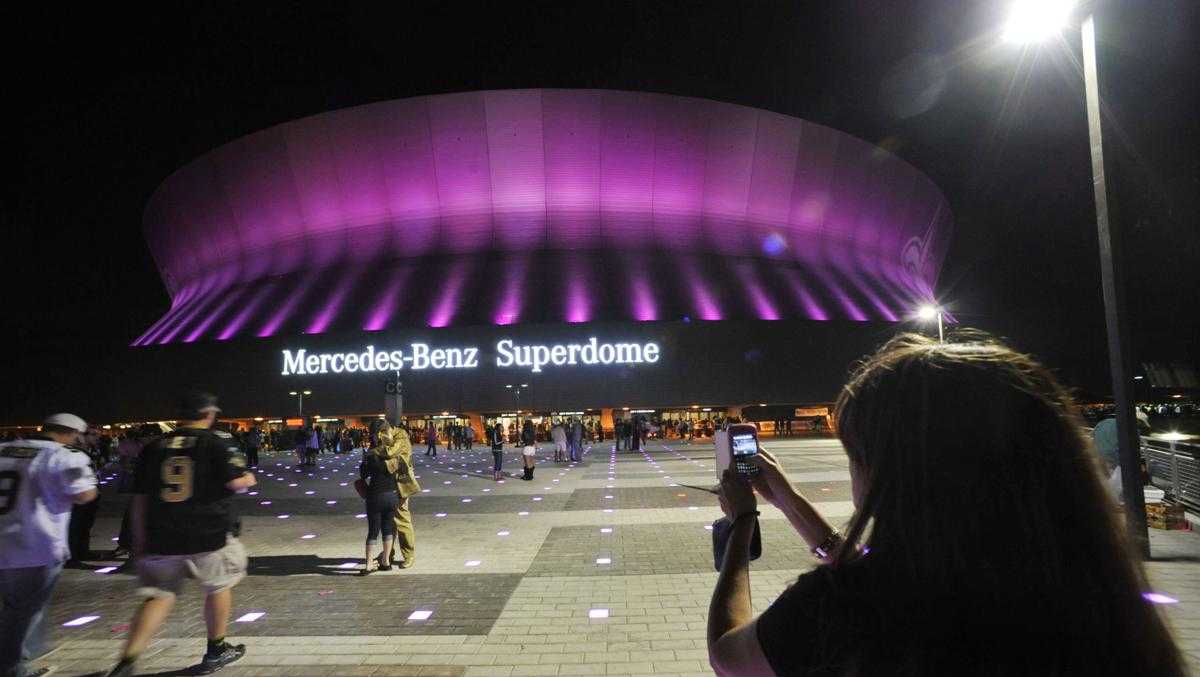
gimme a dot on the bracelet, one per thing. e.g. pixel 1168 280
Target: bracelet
pixel 745 514
pixel 826 547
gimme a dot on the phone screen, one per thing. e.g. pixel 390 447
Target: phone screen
pixel 744 444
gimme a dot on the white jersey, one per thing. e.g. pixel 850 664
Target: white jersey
pixel 38 479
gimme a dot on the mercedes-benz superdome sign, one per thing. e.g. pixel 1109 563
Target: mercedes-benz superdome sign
pixel 507 355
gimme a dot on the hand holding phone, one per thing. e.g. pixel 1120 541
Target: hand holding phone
pixel 743 442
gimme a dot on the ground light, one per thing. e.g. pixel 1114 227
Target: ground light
pixel 82 620
pixel 250 617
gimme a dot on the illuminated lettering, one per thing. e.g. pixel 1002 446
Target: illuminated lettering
pixel 420 356
pixel 629 353
pixel 584 354
pixel 535 357
pixel 504 356
pixel 651 352
pixel 293 365
pixel 541 355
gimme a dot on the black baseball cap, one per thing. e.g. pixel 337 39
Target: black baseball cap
pixel 195 404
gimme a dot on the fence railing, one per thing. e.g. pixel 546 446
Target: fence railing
pixel 1175 468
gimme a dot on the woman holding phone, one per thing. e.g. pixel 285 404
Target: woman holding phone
pixel 983 541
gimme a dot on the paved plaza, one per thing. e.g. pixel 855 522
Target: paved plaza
pixel 602 567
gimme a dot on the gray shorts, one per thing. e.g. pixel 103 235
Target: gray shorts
pixel 163 575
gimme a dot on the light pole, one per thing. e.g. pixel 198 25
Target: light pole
pixel 1033 20
pixel 517 394
pixel 301 395
pixel 930 312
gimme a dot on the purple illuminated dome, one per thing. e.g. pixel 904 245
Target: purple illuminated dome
pixel 508 207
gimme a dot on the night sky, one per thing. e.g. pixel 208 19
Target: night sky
pixel 104 106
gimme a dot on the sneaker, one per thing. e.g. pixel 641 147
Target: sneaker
pixel 215 661
pixel 122 669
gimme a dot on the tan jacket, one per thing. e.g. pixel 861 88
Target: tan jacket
pixel 396 451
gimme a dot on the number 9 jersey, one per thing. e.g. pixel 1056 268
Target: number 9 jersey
pixel 183 477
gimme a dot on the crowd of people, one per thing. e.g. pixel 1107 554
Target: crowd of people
pixel 981 544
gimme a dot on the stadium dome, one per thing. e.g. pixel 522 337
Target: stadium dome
pixel 539 206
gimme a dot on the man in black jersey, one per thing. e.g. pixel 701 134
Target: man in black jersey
pixel 183 527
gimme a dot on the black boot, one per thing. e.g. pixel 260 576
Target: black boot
pixel 528 474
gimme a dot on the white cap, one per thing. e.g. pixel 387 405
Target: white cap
pixel 67 421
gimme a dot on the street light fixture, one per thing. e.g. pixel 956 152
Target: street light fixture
pixel 929 312
pixel 300 395
pixel 1036 20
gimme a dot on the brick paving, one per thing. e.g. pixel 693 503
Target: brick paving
pixel 510 575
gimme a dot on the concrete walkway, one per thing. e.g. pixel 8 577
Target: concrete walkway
pixel 600 568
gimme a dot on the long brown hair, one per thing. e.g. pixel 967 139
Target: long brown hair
pixel 983 506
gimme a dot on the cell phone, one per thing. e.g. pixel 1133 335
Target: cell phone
pixel 743 442
pixel 722 529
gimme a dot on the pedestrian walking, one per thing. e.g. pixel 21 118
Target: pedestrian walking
pixel 395 448
pixel 83 515
pixel 41 480
pixel 184 527
pixel 378 488
pixel 575 440
pixel 431 440
pixel 313 447
pixel 496 438
pixel 558 435
pixel 253 444
pixel 529 449
pixel 300 442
